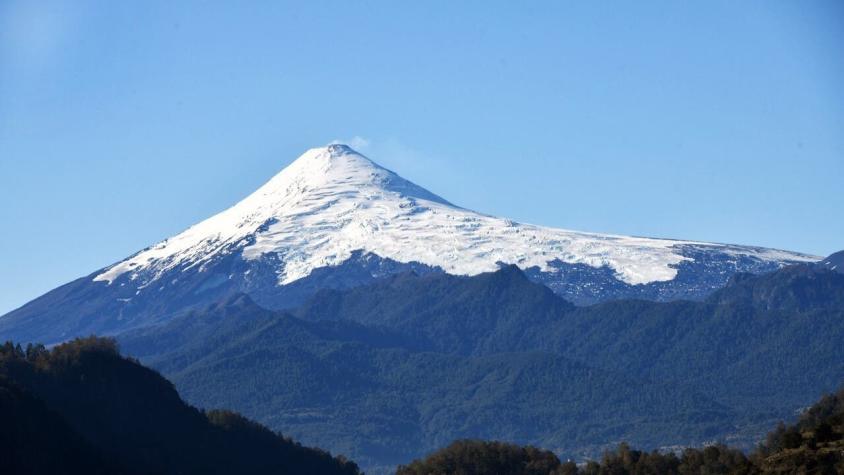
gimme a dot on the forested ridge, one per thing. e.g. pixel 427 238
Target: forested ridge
pixel 813 445
pixel 82 408
pixel 102 413
pixel 390 371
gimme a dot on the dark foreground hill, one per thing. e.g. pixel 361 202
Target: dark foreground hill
pixel 814 445
pixel 390 371
pixel 82 408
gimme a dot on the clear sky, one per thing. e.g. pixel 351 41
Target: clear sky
pixel 122 123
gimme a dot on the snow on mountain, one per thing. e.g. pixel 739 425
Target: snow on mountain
pixel 333 201
pixel 333 219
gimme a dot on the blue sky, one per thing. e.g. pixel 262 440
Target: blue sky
pixel 122 123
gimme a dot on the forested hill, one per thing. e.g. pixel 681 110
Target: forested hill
pixel 814 445
pixel 758 343
pixel 82 408
pixel 390 371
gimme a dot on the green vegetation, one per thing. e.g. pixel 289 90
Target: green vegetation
pixel 814 445
pixel 470 457
pixel 368 394
pixel 762 344
pixel 391 371
pixel 82 408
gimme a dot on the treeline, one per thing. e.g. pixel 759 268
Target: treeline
pixel 82 408
pixel 813 445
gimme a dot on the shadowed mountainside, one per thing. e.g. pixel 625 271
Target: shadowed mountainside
pixel 82 408
pixel 390 370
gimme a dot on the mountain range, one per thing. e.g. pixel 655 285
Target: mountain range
pixel 390 370
pixel 335 219
pixel 356 311
pixel 82 408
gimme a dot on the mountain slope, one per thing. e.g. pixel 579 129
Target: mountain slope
pixel 36 440
pixel 815 444
pixel 410 362
pixel 765 337
pixel 120 417
pixel 834 262
pixel 382 398
pixel 335 219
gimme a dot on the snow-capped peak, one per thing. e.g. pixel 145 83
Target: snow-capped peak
pixel 336 164
pixel 333 201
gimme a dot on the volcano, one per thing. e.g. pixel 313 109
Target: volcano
pixel 335 219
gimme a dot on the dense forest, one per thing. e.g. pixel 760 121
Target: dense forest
pixel 82 408
pixel 388 372
pixel 374 395
pixel 813 445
